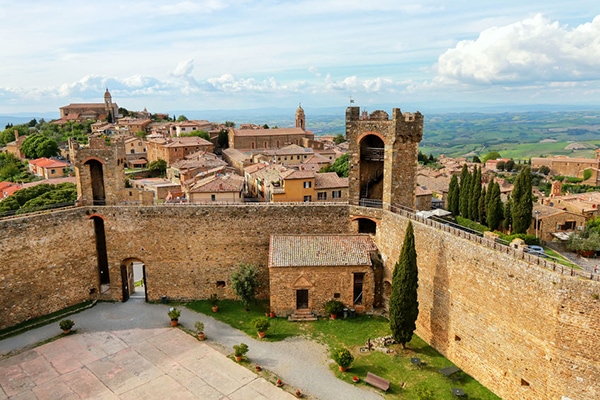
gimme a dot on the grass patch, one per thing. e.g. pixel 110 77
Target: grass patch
pixel 353 334
pixel 232 313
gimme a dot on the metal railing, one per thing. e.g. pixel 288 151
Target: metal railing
pixel 502 246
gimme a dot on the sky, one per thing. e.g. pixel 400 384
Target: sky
pixel 216 54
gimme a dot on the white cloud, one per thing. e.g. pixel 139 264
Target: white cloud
pixel 533 50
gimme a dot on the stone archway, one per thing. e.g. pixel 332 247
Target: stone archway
pixel 133 279
pixel 97 181
pixel 372 153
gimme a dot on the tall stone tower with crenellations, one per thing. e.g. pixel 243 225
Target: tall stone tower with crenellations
pixel 383 157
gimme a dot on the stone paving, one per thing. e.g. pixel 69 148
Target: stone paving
pixel 127 351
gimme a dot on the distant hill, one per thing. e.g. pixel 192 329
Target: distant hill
pixel 23 118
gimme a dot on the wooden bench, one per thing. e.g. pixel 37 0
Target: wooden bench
pixel 377 381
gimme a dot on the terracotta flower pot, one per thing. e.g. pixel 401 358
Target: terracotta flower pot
pixel 333 316
pixel 215 308
pixel 66 331
pixel 174 322
pixel 201 336
pixel 272 314
pixel 262 334
pixel 343 369
pixel 238 358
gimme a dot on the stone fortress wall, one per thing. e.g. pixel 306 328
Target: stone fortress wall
pixel 521 330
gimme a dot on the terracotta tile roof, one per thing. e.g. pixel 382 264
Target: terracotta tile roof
pixel 320 250
pixel 269 132
pixel 327 180
pixel 48 163
pixel 8 188
pixel 218 184
pixel 300 175
pixel 53 181
pixel 184 141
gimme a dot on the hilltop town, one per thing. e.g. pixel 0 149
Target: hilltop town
pixel 322 219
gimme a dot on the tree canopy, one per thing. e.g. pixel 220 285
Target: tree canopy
pixel 245 283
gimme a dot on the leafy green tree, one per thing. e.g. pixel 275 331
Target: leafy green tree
pixel 160 166
pixel 500 165
pixel 36 146
pixel 465 191
pixel 509 165
pixel 404 306
pixel 245 283
pixel 340 166
pixel 544 169
pixel 492 155
pixel 453 196
pixel 182 118
pixel 476 159
pixel 494 208
pixel 522 206
pixel 10 167
pixel 587 174
pixel 230 124
pixel 339 138
pixel 223 140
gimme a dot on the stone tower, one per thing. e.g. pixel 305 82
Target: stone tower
pixel 99 169
pixel 300 118
pixel 383 157
pixel 108 106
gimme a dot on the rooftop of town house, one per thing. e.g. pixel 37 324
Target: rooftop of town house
pixel 320 250
pixel 563 159
pixel 48 163
pixel 218 184
pixel 547 211
pixel 156 182
pixel 8 188
pixel 269 132
pixel 85 105
pixel 329 180
pixel 422 191
pixel 316 158
pixel 184 141
pixel 302 174
pixel 287 150
pixel 199 159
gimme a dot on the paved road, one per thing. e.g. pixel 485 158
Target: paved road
pixel 299 362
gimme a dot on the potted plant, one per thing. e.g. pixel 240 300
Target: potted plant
pixel 239 351
pixel 334 307
pixel 174 314
pixel 199 325
pixel 343 358
pixel 66 325
pixel 279 383
pixel 355 379
pixel 261 324
pixel 214 301
pixel 299 393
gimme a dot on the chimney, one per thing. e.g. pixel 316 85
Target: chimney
pixel 16 134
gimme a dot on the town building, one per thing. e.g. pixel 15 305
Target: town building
pixel 79 112
pixel 175 149
pixel 49 168
pixel 306 271
pixel 217 188
pixel 195 164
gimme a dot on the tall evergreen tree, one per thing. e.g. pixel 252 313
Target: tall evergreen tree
pixel 482 206
pixel 522 206
pixel 495 208
pixel 404 306
pixel 453 196
pixel 465 191
pixel 475 194
pixel 508 214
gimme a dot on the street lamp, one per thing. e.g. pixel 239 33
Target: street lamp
pixel 537 221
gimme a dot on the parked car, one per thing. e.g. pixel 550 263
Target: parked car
pixel 536 250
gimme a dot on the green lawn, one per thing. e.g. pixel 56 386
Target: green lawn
pixel 353 333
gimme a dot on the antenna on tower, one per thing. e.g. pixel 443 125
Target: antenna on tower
pixel 351 100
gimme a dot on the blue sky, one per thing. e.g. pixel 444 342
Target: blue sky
pixel 213 54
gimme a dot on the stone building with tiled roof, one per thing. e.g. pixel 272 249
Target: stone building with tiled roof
pixel 49 168
pixel 86 111
pixel 306 271
pixel 175 149
pixel 217 188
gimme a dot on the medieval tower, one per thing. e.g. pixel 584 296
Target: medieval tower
pixel 383 157
pixel 300 118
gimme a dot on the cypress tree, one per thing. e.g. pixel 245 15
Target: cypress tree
pixel 482 206
pixel 404 306
pixel 475 194
pixel 495 209
pixel 522 206
pixel 453 195
pixel 508 214
pixel 465 191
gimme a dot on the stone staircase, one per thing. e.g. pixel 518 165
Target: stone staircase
pixel 302 315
